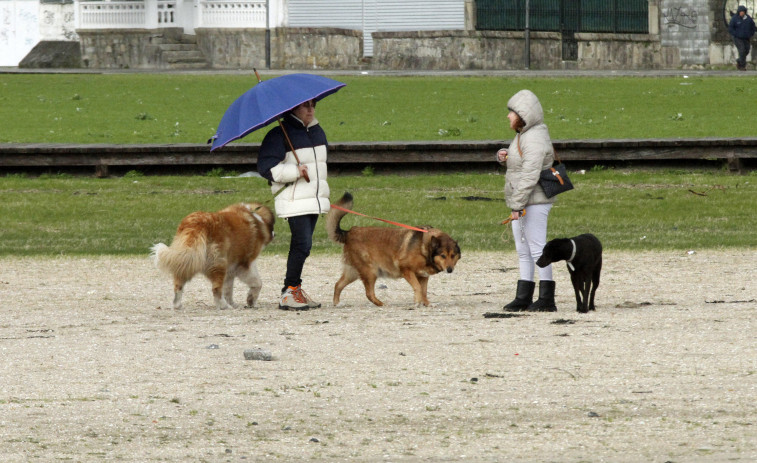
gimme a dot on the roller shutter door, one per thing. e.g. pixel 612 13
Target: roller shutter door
pixel 378 15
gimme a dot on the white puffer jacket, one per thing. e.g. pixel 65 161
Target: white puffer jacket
pixel 535 154
pixel 301 197
pixel 294 195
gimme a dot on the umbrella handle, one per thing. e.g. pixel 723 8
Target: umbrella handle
pixel 291 147
pixel 286 135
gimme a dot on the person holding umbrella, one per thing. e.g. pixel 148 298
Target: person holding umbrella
pixel 529 153
pixel 293 158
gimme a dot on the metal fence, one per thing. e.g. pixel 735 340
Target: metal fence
pixel 608 16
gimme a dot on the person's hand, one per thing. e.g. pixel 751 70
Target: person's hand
pixel 515 215
pixel 502 156
pixel 303 170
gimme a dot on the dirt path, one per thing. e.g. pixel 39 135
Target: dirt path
pixel 96 367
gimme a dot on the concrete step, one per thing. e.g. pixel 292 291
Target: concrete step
pixel 177 47
pixel 188 65
pixel 179 56
pixel 182 55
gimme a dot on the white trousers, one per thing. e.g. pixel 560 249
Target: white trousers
pixel 530 233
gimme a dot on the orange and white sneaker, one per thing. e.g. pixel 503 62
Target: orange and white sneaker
pixel 293 299
pixel 311 303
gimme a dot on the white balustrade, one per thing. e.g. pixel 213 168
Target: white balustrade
pixel 111 15
pixel 167 14
pixel 126 14
pixel 222 13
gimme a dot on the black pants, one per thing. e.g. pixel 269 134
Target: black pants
pixel 302 228
pixel 742 45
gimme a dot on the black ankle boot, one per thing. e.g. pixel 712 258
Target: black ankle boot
pixel 523 296
pixel 546 301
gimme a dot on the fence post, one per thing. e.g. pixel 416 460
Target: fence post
pixel 267 36
pixel 527 52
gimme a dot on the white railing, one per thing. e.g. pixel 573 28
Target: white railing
pixel 150 14
pixel 242 13
pixel 126 14
pixel 167 13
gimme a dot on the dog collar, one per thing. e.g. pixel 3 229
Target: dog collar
pixel 572 256
pixel 255 213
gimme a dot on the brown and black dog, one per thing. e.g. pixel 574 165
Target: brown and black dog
pixel 222 246
pixel 373 252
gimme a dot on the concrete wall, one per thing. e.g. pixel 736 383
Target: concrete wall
pixel 56 20
pixel 682 34
pixel 122 48
pixel 491 50
pixel 685 25
pixel 19 30
pixel 291 48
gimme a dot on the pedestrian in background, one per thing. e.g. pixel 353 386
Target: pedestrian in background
pixel 742 29
pixel 528 154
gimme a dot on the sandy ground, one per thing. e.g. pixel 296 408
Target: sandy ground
pixel 95 366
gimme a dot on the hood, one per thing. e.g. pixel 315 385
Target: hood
pixel 294 120
pixel 741 8
pixel 527 106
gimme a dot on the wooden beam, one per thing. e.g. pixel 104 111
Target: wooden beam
pixel 102 156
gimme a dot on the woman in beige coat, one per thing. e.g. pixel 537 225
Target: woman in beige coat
pixel 529 153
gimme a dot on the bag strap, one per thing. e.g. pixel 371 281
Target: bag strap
pixel 554 152
pixel 557 158
pixel 519 151
pixel 557 174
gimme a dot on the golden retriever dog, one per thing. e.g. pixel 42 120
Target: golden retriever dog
pixel 222 246
pixel 373 252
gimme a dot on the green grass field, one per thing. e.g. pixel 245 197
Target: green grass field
pixel 168 108
pixel 631 210
pixel 627 210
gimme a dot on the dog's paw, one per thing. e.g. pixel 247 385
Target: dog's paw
pixel 223 305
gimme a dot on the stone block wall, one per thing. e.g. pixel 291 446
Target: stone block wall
pixel 232 48
pixel 462 50
pixel 291 48
pixel 124 48
pixel 624 51
pixel 492 50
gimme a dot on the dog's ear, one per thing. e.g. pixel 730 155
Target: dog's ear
pixel 434 244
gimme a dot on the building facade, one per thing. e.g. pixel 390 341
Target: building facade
pixel 377 34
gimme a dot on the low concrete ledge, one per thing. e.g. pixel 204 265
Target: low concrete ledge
pixel 102 156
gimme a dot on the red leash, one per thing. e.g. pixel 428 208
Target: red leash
pixel 383 220
pixel 510 219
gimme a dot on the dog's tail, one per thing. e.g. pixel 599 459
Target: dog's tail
pixel 334 217
pixel 183 259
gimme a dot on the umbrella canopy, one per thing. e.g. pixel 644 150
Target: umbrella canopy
pixel 267 101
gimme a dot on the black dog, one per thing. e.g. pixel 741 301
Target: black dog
pixel 584 257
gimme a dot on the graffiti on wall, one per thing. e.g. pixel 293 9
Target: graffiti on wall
pixel 57 22
pixel 682 16
pixel 19 30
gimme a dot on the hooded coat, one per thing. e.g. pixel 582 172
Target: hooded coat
pixel 529 153
pixel 277 164
pixel 742 28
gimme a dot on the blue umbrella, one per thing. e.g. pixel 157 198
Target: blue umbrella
pixel 267 101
